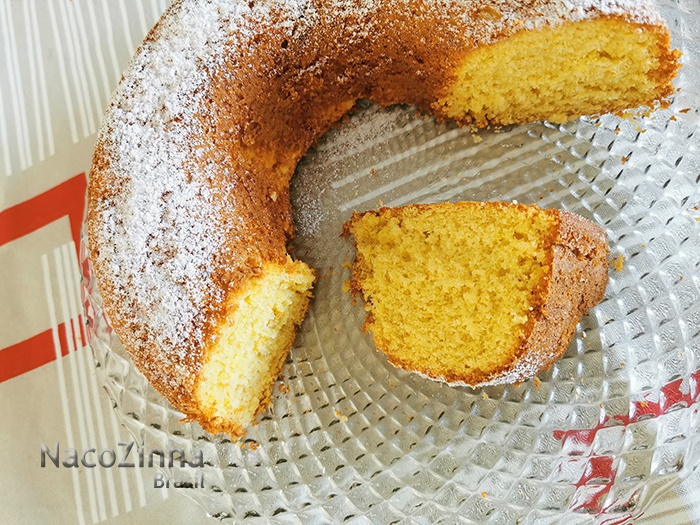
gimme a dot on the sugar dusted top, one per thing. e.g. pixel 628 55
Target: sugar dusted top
pixel 172 211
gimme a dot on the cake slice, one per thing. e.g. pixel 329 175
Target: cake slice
pixel 239 372
pixel 476 293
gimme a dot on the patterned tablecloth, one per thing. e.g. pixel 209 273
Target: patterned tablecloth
pixel 60 61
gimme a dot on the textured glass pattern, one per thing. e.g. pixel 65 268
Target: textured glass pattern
pixel 351 439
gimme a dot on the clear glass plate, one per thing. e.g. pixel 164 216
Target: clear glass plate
pixel 349 438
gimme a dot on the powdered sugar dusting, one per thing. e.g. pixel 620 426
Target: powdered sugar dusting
pixel 640 10
pixel 156 238
pixel 155 223
pixel 490 20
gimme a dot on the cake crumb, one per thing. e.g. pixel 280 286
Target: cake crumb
pixel 684 110
pixel 673 118
pixel 346 264
pixel 484 395
pixel 346 286
pixel 251 445
pixel 625 158
pixel 273 196
pixel 484 494
pixel 343 418
pixel 477 139
pixel 537 382
pixel 372 171
pixel 618 262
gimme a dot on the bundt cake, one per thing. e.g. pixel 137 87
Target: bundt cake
pixel 476 293
pixel 188 201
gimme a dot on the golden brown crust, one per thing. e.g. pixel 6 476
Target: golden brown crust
pixel 577 252
pixel 579 276
pixel 271 85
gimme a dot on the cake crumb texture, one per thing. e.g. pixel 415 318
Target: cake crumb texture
pixel 240 369
pixel 189 216
pixel 460 292
pixel 520 80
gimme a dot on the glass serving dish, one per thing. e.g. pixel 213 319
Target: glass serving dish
pixel 351 439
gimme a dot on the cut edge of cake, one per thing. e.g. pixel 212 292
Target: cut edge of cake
pixel 574 281
pixel 240 368
pixel 519 80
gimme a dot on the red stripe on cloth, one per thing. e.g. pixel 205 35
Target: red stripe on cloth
pixel 77 332
pixel 63 339
pixel 83 335
pixel 31 353
pixel 66 199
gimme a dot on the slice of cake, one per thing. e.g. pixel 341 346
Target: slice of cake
pixel 476 293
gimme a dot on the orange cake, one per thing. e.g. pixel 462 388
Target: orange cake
pixel 476 293
pixel 188 201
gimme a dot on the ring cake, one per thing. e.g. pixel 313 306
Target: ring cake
pixel 188 200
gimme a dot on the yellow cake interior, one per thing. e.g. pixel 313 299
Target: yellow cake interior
pixel 241 368
pixel 449 287
pixel 478 267
pixel 562 73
